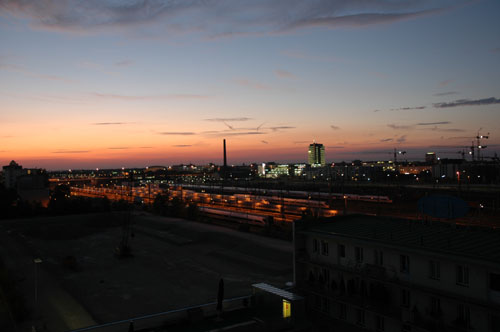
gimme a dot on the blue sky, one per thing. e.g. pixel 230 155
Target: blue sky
pixel 112 83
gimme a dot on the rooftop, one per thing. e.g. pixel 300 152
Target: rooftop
pixel 473 242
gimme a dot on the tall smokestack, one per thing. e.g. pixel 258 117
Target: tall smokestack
pixel 225 157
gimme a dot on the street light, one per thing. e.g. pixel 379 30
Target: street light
pixel 36 261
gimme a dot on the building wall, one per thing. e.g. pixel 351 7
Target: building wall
pixel 421 287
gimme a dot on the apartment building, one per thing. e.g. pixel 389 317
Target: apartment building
pixel 370 273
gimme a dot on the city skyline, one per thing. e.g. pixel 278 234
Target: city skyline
pixel 105 84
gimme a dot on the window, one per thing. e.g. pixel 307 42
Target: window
pixel 358 252
pixel 379 323
pixel 325 305
pixel 495 282
pixel 379 257
pixel 462 275
pixel 435 306
pixel 341 249
pixel 434 270
pixel 324 248
pixel 463 315
pixel 360 317
pixel 343 311
pixel 326 276
pixel 404 264
pixel 406 328
pixel 405 298
pixel 315 245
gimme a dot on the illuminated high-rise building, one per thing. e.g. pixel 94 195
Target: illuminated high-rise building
pixel 316 155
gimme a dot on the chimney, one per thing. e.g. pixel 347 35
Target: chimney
pixel 225 157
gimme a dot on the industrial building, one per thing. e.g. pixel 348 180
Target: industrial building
pixel 381 274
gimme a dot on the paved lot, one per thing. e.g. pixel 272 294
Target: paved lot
pixel 175 263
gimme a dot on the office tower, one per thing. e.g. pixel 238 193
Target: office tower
pixel 316 155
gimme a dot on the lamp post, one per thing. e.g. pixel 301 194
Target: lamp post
pixel 36 261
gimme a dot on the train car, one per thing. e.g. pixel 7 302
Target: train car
pixel 240 217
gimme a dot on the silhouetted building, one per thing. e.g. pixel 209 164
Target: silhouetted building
pixel 11 172
pixel 430 158
pixel 383 274
pixel 316 155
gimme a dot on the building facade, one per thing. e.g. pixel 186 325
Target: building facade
pixel 316 155
pixel 380 274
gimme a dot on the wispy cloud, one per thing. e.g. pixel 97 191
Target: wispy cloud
pixel 398 127
pixel 216 17
pixel 335 147
pixel 495 50
pixel 334 127
pixel 264 142
pixel 448 93
pixel 449 130
pixel 251 84
pixel 401 139
pixel 112 96
pixel 281 128
pixel 283 74
pixel 468 102
pixel 301 142
pixel 109 123
pixel 177 133
pixel 307 56
pixel 227 134
pixel 404 108
pixel 387 140
pixel 433 123
pixel 228 119
pixel 182 145
pixel 71 151
pixel 119 148
pixel 445 83
pixel 124 63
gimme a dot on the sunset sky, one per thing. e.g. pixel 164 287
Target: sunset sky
pixel 87 84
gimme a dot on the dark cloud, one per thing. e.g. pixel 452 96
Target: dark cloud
pixel 433 123
pixel 281 128
pixel 182 145
pixel 449 130
pixel 404 108
pixel 215 17
pixel 442 94
pixel 264 142
pixel 468 102
pixel 71 151
pixel 245 133
pixel 398 127
pixel 109 123
pixel 177 133
pixel 408 108
pixel 334 127
pixel 228 119
pixel 401 139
